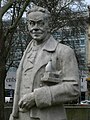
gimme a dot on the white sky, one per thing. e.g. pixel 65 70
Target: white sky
pixel 88 2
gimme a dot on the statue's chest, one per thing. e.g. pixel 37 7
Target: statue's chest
pixel 27 73
pixel 33 69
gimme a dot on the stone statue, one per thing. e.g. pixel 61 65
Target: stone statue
pixel 47 75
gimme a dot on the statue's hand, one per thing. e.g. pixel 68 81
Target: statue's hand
pixel 27 101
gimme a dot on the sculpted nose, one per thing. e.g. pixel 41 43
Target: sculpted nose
pixel 35 26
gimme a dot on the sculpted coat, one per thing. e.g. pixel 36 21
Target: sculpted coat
pixel 49 99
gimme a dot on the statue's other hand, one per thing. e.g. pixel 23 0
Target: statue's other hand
pixel 27 101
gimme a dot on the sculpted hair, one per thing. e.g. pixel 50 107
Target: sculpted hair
pixel 39 9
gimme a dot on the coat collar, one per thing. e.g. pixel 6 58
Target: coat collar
pixel 50 45
pixel 43 58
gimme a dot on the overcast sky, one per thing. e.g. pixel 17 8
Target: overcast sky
pixel 88 2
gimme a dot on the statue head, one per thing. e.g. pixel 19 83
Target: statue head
pixel 38 23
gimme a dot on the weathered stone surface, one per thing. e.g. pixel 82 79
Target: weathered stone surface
pixel 47 75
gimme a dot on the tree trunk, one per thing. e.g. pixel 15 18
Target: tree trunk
pixel 2 73
pixel 2 84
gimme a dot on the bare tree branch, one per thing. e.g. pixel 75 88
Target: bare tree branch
pixel 4 9
pixel 19 16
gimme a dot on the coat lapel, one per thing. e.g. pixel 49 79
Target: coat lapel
pixel 45 54
pixel 18 82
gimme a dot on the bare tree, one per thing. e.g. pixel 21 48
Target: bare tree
pixel 16 9
pixel 20 40
pixel 64 12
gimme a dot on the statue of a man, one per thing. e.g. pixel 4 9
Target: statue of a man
pixel 47 75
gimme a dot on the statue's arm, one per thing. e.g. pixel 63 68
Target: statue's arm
pixel 66 90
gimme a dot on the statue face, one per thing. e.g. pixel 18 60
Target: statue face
pixel 38 25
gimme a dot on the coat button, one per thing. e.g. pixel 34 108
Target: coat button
pixel 41 84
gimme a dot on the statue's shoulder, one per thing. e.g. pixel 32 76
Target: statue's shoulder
pixel 64 49
pixel 63 46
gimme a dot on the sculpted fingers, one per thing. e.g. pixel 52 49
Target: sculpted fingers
pixel 27 101
pixel 20 103
pixel 27 106
pixel 24 104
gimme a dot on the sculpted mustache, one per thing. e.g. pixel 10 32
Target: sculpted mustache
pixel 36 31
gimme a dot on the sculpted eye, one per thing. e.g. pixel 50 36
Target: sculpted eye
pixel 32 23
pixel 41 23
